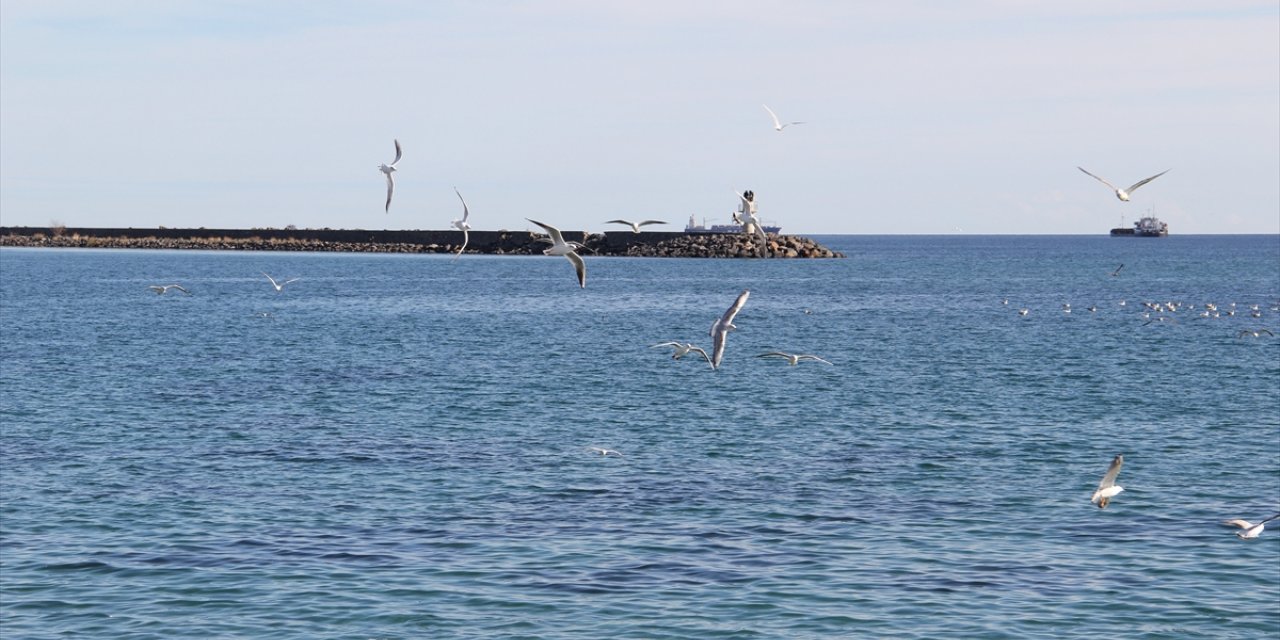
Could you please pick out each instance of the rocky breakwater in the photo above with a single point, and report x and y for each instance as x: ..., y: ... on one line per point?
x: 732, y: 245
x: 649, y: 244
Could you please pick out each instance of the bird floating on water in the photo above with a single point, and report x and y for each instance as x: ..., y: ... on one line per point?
x: 635, y: 226
x: 1123, y: 194
x: 163, y: 289
x: 1108, y: 489
x: 720, y: 328
x: 792, y: 358
x: 778, y: 125
x: 1250, y: 530
x: 279, y: 285
x: 388, y: 169
x: 462, y: 225
x: 567, y: 249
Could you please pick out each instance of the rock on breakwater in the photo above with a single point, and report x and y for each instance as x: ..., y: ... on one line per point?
x: 646, y: 244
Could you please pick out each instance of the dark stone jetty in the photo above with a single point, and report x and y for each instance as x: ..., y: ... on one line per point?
x: 616, y: 243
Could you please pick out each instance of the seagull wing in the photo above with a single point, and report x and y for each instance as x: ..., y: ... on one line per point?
x: 1146, y: 180
x: 393, y: 162
x: 579, y: 267
x: 391, y: 187
x: 179, y: 288
x: 666, y: 344
x: 465, y: 212
x: 732, y: 311
x: 809, y: 357
x: 1117, y: 271
x: 719, y: 336
x: 1266, y: 331
x: 1113, y: 187
x: 775, y: 354
x: 1109, y: 478
x: 290, y: 280
x: 626, y: 222
x: 273, y: 280
x: 694, y: 348
x: 556, y: 238
x: 776, y: 124
x: 1270, y: 519
x: 645, y: 222
x: 466, y: 237
x: 1243, y: 524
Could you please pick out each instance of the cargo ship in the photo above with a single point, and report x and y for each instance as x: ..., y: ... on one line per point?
x: 694, y: 227
x: 1147, y: 227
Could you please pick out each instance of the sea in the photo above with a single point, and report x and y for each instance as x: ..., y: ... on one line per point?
x: 400, y: 446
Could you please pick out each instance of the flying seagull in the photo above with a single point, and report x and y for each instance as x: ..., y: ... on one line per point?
x: 1117, y: 271
x: 1255, y: 333
x: 792, y: 358
x: 1250, y: 530
x: 389, y: 169
x: 462, y: 225
x: 1123, y: 194
x: 604, y: 452
x: 279, y: 285
x: 683, y: 349
x: 163, y: 289
x: 1108, y: 489
x: 721, y: 328
x: 561, y: 248
x: 635, y: 226
x: 777, y: 124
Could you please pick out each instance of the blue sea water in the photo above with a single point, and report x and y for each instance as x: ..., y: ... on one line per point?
x: 397, y: 446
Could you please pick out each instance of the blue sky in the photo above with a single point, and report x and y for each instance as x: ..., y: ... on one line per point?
x: 921, y: 116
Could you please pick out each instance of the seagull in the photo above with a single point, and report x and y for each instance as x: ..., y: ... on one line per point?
x: 389, y: 169
x: 161, y: 290
x: 604, y: 452
x: 462, y: 224
x: 721, y: 328
x: 279, y: 285
x: 1117, y: 271
x: 1107, y: 489
x: 1250, y: 530
x: 635, y: 226
x: 561, y: 248
x: 1255, y: 333
x: 1023, y: 312
x: 1123, y: 194
x: 682, y: 349
x: 777, y: 124
x: 793, y: 358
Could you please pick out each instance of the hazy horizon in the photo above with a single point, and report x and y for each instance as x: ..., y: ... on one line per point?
x: 920, y: 119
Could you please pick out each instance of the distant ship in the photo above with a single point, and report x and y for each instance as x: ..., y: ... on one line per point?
x: 1148, y: 227
x: 694, y: 227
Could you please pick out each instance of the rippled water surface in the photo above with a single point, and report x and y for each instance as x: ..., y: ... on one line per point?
x: 397, y: 446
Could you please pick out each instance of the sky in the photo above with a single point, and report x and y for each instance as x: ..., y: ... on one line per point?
x: 920, y: 116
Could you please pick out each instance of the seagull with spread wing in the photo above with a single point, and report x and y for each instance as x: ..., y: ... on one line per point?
x: 1123, y: 194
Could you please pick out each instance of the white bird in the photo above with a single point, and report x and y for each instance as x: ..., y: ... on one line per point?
x: 1257, y: 333
x: 163, y: 289
x: 462, y: 225
x: 605, y: 452
x: 720, y: 328
x: 561, y: 248
x: 1123, y: 194
x: 279, y: 285
x: 1023, y: 312
x: 792, y: 358
x: 1250, y: 530
x: 1107, y: 489
x: 388, y: 169
x: 635, y: 226
x: 777, y: 124
x: 683, y: 349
